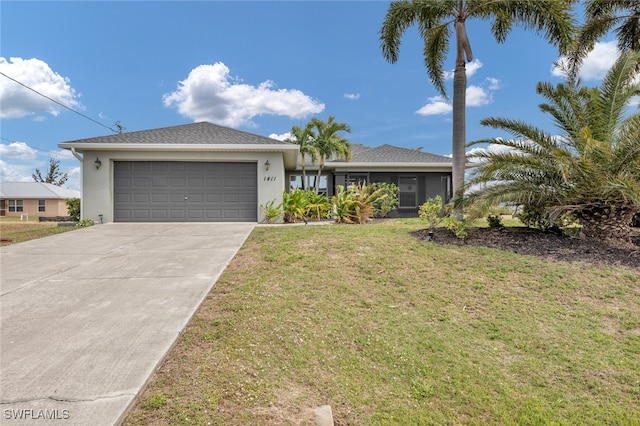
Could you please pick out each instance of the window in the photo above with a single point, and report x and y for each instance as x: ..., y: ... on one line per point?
x: 408, y: 191
x: 356, y: 179
x: 41, y: 206
x: 15, y: 206
x: 295, y: 182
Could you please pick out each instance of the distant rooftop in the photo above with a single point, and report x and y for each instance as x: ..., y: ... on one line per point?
x: 37, y: 190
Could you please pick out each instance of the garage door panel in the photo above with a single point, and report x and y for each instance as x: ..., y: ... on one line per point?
x: 156, y: 191
x: 141, y: 197
x: 159, y: 198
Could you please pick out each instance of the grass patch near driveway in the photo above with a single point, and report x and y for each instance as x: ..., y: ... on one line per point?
x: 389, y: 329
x: 19, y: 231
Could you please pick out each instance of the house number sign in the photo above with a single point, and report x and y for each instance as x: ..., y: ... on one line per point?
x: 270, y: 178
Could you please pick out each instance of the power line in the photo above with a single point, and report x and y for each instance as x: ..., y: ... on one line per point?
x: 54, y: 153
x: 62, y: 105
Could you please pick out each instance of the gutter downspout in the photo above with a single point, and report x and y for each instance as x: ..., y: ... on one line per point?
x: 80, y: 158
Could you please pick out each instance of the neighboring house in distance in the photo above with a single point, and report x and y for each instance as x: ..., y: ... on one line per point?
x: 34, y: 199
x: 203, y: 172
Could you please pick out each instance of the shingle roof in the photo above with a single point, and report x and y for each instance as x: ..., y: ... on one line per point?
x: 390, y: 154
x: 194, y: 133
x: 393, y: 154
x: 39, y: 190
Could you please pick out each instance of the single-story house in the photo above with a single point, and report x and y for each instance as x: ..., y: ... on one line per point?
x: 419, y: 175
x: 34, y: 199
x: 203, y: 172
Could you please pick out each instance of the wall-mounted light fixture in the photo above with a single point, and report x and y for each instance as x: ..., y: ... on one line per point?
x: 267, y: 164
x: 98, y: 163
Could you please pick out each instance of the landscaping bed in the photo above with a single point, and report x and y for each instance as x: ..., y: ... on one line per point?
x: 546, y: 245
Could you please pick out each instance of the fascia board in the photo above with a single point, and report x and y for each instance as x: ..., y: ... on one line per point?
x: 346, y: 167
x: 289, y: 152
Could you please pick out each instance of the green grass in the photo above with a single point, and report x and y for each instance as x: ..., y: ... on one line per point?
x: 388, y: 329
x: 20, y: 231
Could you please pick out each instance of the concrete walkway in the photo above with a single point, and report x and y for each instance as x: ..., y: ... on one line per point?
x: 87, y: 316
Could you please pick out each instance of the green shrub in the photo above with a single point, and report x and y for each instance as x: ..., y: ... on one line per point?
x: 356, y: 204
x: 270, y: 212
x: 536, y: 217
x: 460, y: 227
x: 73, y: 207
x: 317, y: 206
x: 85, y: 222
x: 293, y: 205
x: 388, y: 203
x: 431, y: 211
x: 494, y: 221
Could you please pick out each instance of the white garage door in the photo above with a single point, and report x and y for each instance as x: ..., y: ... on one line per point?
x: 173, y: 191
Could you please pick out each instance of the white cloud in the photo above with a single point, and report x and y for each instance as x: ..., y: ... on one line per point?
x: 494, y: 83
x: 477, y: 96
x: 596, y: 64
x: 437, y: 105
x: 15, y: 172
x: 18, y: 101
x: 352, y: 96
x: 470, y: 69
x: 280, y: 137
x: 19, y: 150
x: 209, y: 93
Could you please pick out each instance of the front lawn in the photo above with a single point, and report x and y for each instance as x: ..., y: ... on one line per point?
x: 389, y: 329
x: 17, y: 231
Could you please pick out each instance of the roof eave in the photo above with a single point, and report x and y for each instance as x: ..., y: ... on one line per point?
x: 289, y: 151
x: 390, y: 166
x: 81, y: 147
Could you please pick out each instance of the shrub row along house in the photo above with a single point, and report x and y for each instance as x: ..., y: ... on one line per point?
x: 34, y: 199
x: 203, y: 172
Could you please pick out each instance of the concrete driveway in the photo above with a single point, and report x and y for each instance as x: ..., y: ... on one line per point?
x: 87, y: 316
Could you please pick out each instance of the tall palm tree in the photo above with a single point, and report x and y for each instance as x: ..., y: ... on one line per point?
x: 328, y: 143
x: 304, y: 137
x: 592, y: 169
x: 435, y: 19
x: 602, y: 16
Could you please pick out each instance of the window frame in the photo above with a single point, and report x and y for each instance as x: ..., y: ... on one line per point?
x: 16, y: 206
x: 414, y: 191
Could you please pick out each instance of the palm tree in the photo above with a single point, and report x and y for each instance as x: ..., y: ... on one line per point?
x: 328, y: 143
x: 304, y: 137
x: 435, y: 18
x: 602, y: 16
x: 591, y: 170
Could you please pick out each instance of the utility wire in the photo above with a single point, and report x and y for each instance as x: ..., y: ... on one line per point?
x: 62, y: 105
x: 32, y: 147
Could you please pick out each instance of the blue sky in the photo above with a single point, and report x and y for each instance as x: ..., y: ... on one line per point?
x: 261, y: 67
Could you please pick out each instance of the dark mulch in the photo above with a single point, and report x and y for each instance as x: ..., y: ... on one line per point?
x: 546, y: 245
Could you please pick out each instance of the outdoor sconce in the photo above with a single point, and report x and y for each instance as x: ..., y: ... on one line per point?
x: 98, y: 163
x: 267, y: 164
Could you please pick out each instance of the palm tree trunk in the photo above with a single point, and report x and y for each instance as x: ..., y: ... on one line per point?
x: 320, y: 164
x: 606, y: 222
x: 459, y: 109
x: 304, y: 175
x: 459, y: 129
